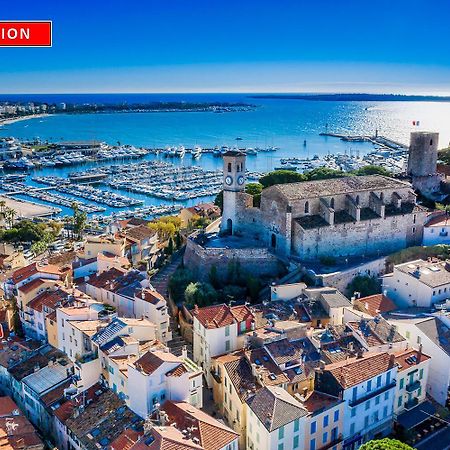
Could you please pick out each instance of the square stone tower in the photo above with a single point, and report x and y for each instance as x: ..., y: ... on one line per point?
x: 423, y: 153
x: 233, y: 186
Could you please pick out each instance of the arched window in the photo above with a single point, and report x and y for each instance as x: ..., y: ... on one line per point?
x: 357, y: 199
x: 229, y: 167
x: 332, y: 203
x: 230, y: 226
x: 431, y: 141
x: 382, y: 196
x: 306, y: 207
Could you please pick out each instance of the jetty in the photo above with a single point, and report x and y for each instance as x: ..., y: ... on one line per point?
x: 376, y: 140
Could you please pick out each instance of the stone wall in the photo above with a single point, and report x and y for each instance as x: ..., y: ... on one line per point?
x: 368, y: 237
x: 342, y: 278
x: 257, y: 261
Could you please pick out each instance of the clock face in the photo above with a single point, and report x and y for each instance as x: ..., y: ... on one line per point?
x: 228, y: 180
x: 241, y: 180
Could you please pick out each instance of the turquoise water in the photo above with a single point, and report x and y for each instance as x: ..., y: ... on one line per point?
x: 282, y: 123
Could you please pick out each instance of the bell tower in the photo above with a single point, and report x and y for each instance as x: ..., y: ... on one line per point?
x: 233, y: 185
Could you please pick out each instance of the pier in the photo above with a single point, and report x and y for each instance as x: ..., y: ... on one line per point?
x: 376, y: 140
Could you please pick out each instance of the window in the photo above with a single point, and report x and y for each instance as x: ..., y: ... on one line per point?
x: 386, y: 395
x: 379, y: 381
x: 312, y: 444
x: 313, y: 427
x: 377, y: 400
x: 336, y: 415
x: 296, y: 425
x: 402, y: 382
x: 334, y: 433
x: 227, y: 330
x: 229, y: 167
x: 355, y: 392
x: 306, y: 207
x: 353, y: 412
x: 399, y: 403
x: 281, y: 433
x: 332, y: 203
x: 227, y: 346
x: 385, y: 411
x: 366, y: 421
x: 388, y: 377
x: 369, y: 385
x: 352, y: 428
x: 280, y: 446
x: 419, y: 392
x: 325, y: 421
x: 325, y: 437
x: 367, y: 405
x: 111, y: 370
x: 420, y: 374
x: 296, y: 442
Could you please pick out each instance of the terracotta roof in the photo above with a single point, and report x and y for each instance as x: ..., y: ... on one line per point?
x: 106, y: 278
x: 377, y: 331
x: 275, y: 407
x: 354, y: 371
x: 376, y: 304
x: 438, y: 221
x: 218, y: 316
x: 7, y: 406
x: 317, y: 401
x: 270, y: 373
x: 284, y: 351
x: 152, y: 360
x: 33, y: 284
x: 409, y: 358
x: 140, y: 233
x: 165, y: 438
x: 178, y: 371
x: 50, y: 299
x: 126, y: 440
x: 212, y: 434
x: 27, y: 271
x: 150, y: 295
x: 55, y: 394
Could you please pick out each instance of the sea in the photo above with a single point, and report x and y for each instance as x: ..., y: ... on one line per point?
x: 292, y: 125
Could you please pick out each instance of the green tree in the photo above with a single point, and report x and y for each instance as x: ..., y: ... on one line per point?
x: 218, y: 201
x: 169, y: 248
x: 9, y: 214
x: 253, y: 287
x: 372, y: 170
x: 16, y: 323
x: 281, y: 177
x: 178, y: 283
x: 324, y: 173
x: 385, y: 444
x: 178, y: 240
x: 214, y: 277
x: 365, y: 285
x: 200, y: 294
x: 79, y: 220
x: 255, y: 190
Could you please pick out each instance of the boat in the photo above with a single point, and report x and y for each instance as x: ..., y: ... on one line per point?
x: 251, y: 151
x: 180, y: 151
x: 197, y: 152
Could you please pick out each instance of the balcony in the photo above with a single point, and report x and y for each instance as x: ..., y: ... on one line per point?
x: 334, y: 442
x: 411, y: 387
x: 411, y: 403
x: 372, y: 394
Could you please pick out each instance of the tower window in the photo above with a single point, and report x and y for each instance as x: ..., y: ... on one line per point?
x: 332, y: 203
x: 306, y: 207
x: 229, y: 167
x: 431, y: 141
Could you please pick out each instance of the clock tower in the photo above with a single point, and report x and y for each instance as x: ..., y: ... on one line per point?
x: 233, y: 186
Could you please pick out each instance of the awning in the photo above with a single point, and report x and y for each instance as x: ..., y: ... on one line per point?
x: 417, y: 415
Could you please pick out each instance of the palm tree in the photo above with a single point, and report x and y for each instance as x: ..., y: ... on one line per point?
x: 9, y: 214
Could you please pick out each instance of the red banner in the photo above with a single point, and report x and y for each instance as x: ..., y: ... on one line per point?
x: 26, y: 34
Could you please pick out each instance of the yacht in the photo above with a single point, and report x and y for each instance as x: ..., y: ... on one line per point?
x: 197, y: 152
x: 180, y: 151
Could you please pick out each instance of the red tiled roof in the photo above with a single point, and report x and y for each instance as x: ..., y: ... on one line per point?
x: 150, y: 295
x: 376, y: 304
x: 105, y: 278
x: 47, y: 298
x: 7, y: 406
x: 213, y: 435
x: 139, y: 233
x: 27, y: 271
x: 402, y: 357
x: 126, y: 440
x: 316, y: 401
x: 219, y: 316
x: 33, y: 284
x: 438, y: 221
x: 354, y: 371
x: 151, y: 360
x: 178, y: 371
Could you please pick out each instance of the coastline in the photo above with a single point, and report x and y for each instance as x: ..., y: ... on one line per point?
x: 18, y: 119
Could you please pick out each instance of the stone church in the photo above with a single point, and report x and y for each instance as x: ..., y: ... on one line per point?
x: 342, y: 217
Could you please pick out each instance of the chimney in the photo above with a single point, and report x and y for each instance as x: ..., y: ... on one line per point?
x: 268, y: 420
x: 419, y: 354
x: 359, y: 354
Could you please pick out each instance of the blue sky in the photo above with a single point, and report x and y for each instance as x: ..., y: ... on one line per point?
x: 233, y: 46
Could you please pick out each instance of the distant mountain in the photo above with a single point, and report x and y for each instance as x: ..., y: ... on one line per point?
x: 356, y: 97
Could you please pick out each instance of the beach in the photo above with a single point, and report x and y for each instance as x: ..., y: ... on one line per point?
x: 27, y: 209
x: 21, y: 118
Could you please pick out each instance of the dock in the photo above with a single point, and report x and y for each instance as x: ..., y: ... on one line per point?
x: 376, y: 140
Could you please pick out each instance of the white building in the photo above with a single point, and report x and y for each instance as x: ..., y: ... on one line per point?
x: 413, y: 367
x: 275, y: 420
x: 158, y: 376
x: 219, y: 329
x: 418, y: 283
x: 367, y: 384
x: 433, y: 333
x: 437, y: 230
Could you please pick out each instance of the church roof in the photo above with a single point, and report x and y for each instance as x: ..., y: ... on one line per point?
x: 336, y: 186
